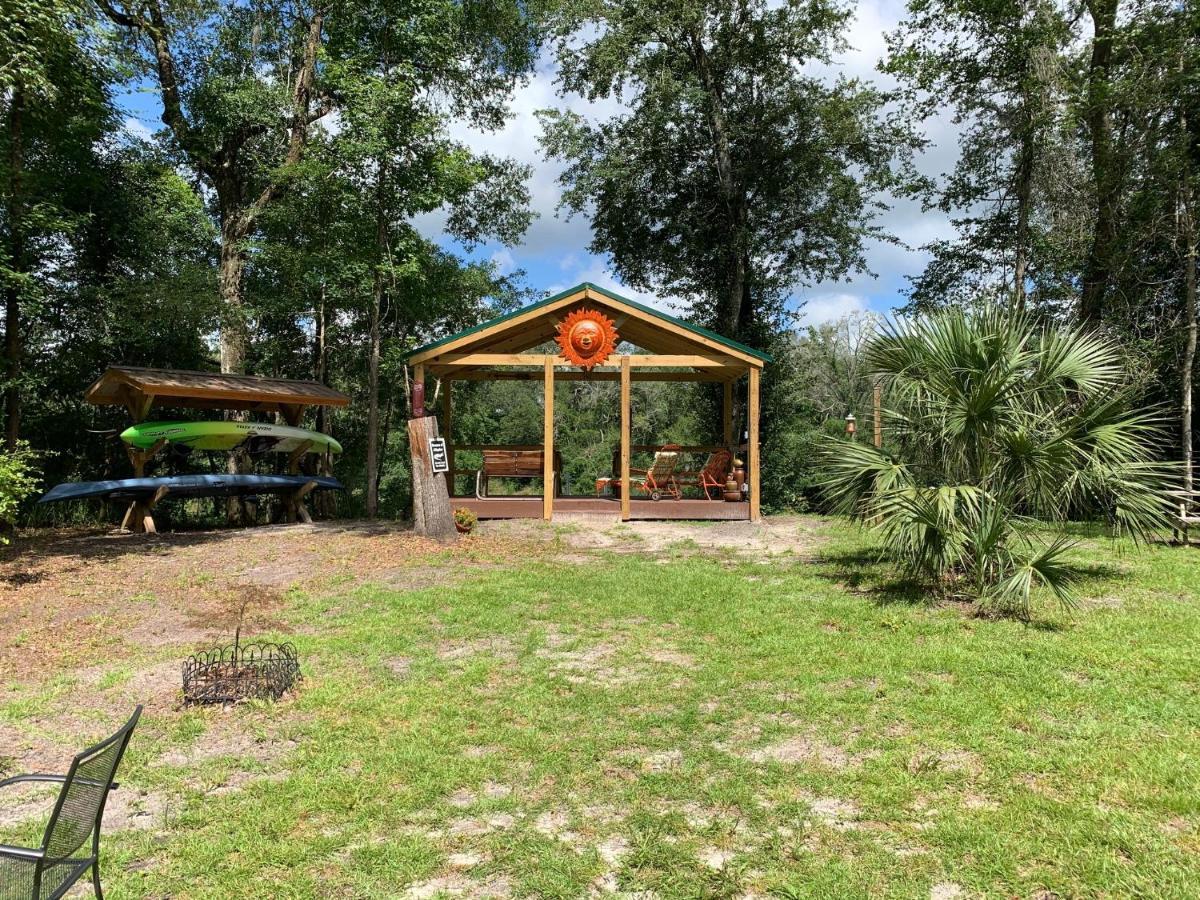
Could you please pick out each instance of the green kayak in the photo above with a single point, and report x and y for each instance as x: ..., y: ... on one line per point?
x: 256, y: 437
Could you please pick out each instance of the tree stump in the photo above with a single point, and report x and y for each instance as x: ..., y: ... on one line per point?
x: 432, y: 515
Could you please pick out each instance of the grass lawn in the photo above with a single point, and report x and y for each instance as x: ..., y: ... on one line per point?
x: 677, y: 721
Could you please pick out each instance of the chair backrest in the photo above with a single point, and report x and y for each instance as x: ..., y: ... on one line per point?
x: 80, y: 805
x: 516, y: 463
x: 717, y: 466
x: 664, y: 464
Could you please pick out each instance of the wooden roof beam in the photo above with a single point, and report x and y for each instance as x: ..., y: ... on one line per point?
x: 636, y: 360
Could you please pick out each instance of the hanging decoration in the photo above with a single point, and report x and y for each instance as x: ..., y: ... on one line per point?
x: 587, y: 337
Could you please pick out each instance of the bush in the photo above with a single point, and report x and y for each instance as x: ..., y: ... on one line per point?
x: 993, y: 425
x: 18, y: 481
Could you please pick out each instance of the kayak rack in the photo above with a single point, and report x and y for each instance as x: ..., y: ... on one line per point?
x: 139, y: 390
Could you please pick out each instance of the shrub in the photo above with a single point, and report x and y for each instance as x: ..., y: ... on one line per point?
x: 992, y: 425
x: 18, y: 480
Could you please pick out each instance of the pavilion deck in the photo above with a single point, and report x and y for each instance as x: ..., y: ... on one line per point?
x: 530, y: 507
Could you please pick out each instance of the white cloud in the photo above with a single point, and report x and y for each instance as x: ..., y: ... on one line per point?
x: 136, y: 129
x: 831, y: 307
x: 594, y: 270
x: 504, y: 262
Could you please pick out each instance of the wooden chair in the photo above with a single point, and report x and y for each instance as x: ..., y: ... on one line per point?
x: 48, y: 872
x: 712, y: 476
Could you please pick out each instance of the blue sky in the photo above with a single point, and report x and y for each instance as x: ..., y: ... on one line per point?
x: 554, y: 251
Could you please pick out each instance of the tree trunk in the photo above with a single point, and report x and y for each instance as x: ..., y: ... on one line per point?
x: 322, y: 500
x: 1188, y: 226
x: 1098, y: 267
x: 234, y: 336
x: 320, y: 358
x: 734, y: 308
x: 12, y: 293
x: 374, y: 352
x: 432, y: 515
x: 1024, y: 202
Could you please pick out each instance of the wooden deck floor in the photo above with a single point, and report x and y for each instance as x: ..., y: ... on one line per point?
x: 531, y: 508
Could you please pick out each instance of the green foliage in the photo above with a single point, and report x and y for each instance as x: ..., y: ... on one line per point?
x: 1001, y: 67
x: 18, y: 480
x: 702, y: 190
x: 994, y: 424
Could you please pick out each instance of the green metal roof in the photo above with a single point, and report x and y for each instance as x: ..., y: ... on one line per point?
x: 687, y: 326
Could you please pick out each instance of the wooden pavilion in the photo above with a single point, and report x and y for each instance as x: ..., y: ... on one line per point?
x: 673, y: 350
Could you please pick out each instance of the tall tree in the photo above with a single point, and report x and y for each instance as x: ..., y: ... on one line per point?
x: 54, y: 110
x: 405, y: 72
x: 239, y: 89
x: 1106, y: 178
x: 735, y: 173
x: 999, y: 67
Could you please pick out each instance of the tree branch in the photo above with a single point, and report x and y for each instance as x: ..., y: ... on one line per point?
x: 302, y: 112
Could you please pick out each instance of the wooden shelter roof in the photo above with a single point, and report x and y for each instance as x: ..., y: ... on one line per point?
x: 534, y: 325
x: 140, y: 388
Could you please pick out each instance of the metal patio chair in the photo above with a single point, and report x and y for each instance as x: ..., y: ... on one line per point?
x: 48, y: 872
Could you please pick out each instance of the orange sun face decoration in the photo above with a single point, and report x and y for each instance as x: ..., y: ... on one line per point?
x: 587, y: 337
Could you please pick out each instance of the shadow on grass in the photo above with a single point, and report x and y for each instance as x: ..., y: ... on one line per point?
x: 867, y: 573
x: 33, y: 555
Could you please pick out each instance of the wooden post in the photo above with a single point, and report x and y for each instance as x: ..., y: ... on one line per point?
x: 727, y: 414
x: 548, y: 441
x: 448, y: 429
x: 877, y: 408
x: 626, y: 419
x: 755, y: 480
x: 432, y: 515
x: 137, y: 515
x: 139, y: 518
x: 293, y: 504
x: 418, y: 395
x: 138, y: 459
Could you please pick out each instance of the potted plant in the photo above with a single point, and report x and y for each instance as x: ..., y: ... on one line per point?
x: 464, y: 520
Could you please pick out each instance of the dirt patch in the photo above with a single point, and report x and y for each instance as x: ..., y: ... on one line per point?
x: 456, y: 884
x: 592, y: 665
x: 668, y: 656
x: 834, y: 812
x: 126, y: 809
x: 234, y: 736
x: 947, y: 890
x: 495, y: 647
x: 21, y: 803
x: 800, y: 748
x: 69, y: 597
x: 775, y: 536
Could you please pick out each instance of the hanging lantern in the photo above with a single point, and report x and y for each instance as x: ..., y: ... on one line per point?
x: 587, y: 337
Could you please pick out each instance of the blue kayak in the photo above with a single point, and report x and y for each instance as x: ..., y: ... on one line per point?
x: 187, y: 486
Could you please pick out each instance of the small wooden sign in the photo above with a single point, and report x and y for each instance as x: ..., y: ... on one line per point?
x: 438, y: 457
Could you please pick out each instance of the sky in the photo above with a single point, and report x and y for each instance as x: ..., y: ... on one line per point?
x: 554, y: 252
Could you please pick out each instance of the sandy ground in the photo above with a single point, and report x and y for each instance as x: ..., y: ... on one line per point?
x: 88, y: 603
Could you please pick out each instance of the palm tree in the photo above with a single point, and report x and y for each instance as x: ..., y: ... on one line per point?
x: 995, y: 424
